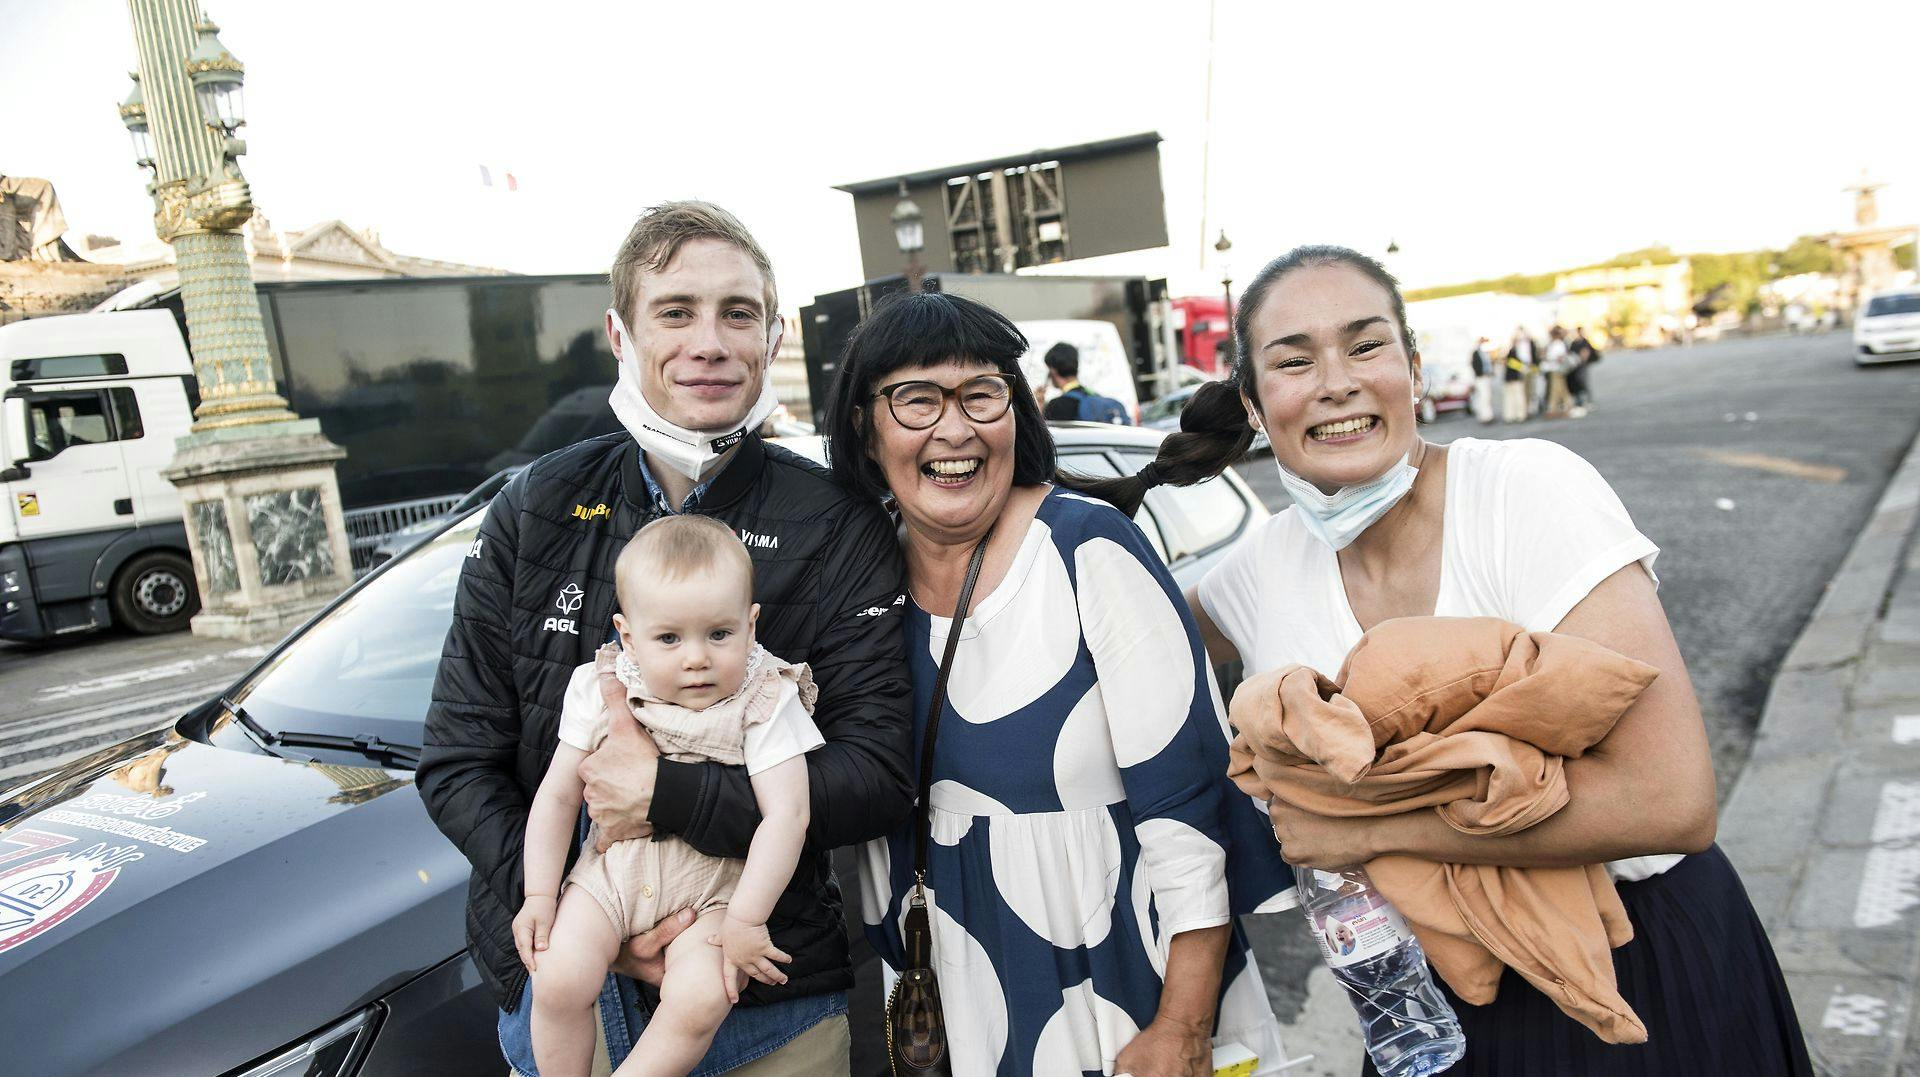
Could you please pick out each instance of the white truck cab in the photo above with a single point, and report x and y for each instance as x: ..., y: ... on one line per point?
x: 91, y: 534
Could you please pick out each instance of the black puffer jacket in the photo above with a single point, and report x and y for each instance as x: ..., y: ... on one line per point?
x: 536, y: 598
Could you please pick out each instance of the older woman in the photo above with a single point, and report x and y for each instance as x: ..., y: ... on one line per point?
x: 1385, y: 525
x: 1080, y: 821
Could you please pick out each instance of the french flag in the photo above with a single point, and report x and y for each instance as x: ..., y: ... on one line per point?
x: 486, y: 179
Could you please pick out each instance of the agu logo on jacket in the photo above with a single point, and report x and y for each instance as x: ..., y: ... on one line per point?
x: 567, y: 602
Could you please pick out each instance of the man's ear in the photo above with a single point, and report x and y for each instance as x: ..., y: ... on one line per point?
x: 1419, y: 376
x: 773, y: 340
x: 618, y: 347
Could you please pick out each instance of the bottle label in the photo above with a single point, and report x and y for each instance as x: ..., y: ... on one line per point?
x: 1358, y: 928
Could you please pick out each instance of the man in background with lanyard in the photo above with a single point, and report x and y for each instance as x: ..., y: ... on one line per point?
x: 693, y: 328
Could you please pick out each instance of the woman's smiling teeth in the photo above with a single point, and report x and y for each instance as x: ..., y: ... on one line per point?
x: 951, y: 472
x: 1343, y: 429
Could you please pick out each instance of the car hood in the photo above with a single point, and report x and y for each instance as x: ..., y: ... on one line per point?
x: 208, y: 905
x: 1884, y: 323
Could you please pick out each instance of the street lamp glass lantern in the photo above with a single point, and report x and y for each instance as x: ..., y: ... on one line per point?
x: 909, y: 226
x: 142, y: 144
x: 217, y: 78
x: 133, y: 113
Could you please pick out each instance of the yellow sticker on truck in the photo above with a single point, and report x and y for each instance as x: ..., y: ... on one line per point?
x: 29, y: 504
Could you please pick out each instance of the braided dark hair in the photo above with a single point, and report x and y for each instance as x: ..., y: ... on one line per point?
x: 1214, y: 431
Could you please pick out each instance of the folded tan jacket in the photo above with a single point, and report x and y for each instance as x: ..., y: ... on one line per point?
x: 1474, y: 718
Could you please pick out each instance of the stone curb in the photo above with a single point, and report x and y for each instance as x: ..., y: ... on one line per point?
x: 1810, y: 772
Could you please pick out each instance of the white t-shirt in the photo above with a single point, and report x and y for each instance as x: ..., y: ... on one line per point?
x: 1529, y: 530
x: 790, y: 732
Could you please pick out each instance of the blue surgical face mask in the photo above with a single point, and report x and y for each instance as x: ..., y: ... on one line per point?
x: 1338, y: 518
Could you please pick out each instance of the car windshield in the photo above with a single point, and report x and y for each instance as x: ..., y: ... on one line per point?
x: 1894, y: 304
x: 367, y: 667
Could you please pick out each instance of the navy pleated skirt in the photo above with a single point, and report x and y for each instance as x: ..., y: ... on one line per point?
x: 1699, y: 972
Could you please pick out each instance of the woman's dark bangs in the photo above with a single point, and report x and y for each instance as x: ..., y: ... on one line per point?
x: 932, y: 330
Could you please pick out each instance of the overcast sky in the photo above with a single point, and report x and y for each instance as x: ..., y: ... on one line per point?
x: 1486, y: 138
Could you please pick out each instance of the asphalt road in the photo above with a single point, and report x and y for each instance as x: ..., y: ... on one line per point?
x: 1751, y: 463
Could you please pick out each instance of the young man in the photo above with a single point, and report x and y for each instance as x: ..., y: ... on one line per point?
x: 1072, y: 400
x: 693, y: 327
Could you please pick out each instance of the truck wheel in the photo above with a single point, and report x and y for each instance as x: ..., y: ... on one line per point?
x: 154, y: 593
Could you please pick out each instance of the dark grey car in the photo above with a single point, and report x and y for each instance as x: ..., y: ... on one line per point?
x: 256, y: 889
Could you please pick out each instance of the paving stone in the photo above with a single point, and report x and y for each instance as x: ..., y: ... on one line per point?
x: 1880, y: 684
x: 1774, y: 813
x: 1806, y: 711
x: 1901, y: 626
x: 1769, y: 889
x: 1859, y: 795
x: 1828, y: 640
x: 1859, y: 888
x: 1889, y: 732
x: 1847, y: 951
x: 1855, y: 1025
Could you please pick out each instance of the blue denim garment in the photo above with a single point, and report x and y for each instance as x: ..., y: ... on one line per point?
x: 748, y: 1033
x: 660, y: 502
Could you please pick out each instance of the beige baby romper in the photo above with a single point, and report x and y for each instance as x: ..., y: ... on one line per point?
x: 639, y: 882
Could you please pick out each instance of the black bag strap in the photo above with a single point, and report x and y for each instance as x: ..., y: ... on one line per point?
x: 923, y: 822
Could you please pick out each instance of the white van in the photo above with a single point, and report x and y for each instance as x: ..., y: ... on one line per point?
x: 91, y: 534
x: 1104, y: 367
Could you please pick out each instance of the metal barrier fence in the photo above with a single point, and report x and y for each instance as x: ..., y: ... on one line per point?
x: 367, y: 527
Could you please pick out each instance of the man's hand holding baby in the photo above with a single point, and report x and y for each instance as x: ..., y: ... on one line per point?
x: 618, y: 776
x: 749, y: 951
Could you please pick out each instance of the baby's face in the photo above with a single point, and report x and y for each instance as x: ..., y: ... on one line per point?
x: 690, y: 637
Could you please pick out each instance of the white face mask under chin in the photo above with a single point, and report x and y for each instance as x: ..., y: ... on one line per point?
x: 1338, y: 518
x: 693, y: 453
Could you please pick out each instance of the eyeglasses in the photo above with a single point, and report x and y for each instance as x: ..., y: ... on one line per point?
x: 918, y: 405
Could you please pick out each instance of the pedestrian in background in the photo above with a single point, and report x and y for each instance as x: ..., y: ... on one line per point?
x: 1388, y: 526
x: 1557, y: 364
x: 1584, y: 356
x: 1513, y: 400
x: 1073, y: 401
x: 1482, y: 382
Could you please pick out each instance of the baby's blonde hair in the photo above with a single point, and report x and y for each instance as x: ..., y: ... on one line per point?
x: 675, y: 547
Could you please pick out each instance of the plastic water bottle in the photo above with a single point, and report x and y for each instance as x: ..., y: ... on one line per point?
x: 1406, y: 1022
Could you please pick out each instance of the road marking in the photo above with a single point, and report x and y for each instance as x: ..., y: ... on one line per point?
x: 1890, y: 879
x: 146, y: 674
x: 1854, y: 1015
x: 183, y: 697
x: 1778, y: 465
x: 34, y: 744
x: 1906, y: 729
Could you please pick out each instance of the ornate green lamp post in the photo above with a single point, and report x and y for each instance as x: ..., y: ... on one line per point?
x: 262, y: 505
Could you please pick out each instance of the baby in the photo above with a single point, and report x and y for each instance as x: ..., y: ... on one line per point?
x: 697, y: 682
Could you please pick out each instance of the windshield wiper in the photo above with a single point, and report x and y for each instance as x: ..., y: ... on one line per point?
x: 402, y: 755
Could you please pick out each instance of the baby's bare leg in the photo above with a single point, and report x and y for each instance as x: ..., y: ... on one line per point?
x: 567, y: 984
x: 693, y: 1002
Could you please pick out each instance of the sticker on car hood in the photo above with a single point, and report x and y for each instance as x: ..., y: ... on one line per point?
x: 42, y: 891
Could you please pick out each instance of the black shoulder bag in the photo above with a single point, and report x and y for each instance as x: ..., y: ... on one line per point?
x: 916, y: 1028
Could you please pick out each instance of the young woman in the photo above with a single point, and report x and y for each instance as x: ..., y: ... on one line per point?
x: 1385, y: 525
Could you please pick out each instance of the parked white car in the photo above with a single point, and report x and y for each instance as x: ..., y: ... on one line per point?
x: 1887, y: 329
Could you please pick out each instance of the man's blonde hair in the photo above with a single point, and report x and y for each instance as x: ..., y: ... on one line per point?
x: 656, y: 237
x: 676, y: 547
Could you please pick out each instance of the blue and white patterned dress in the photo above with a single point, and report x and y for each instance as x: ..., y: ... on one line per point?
x: 1081, y: 815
